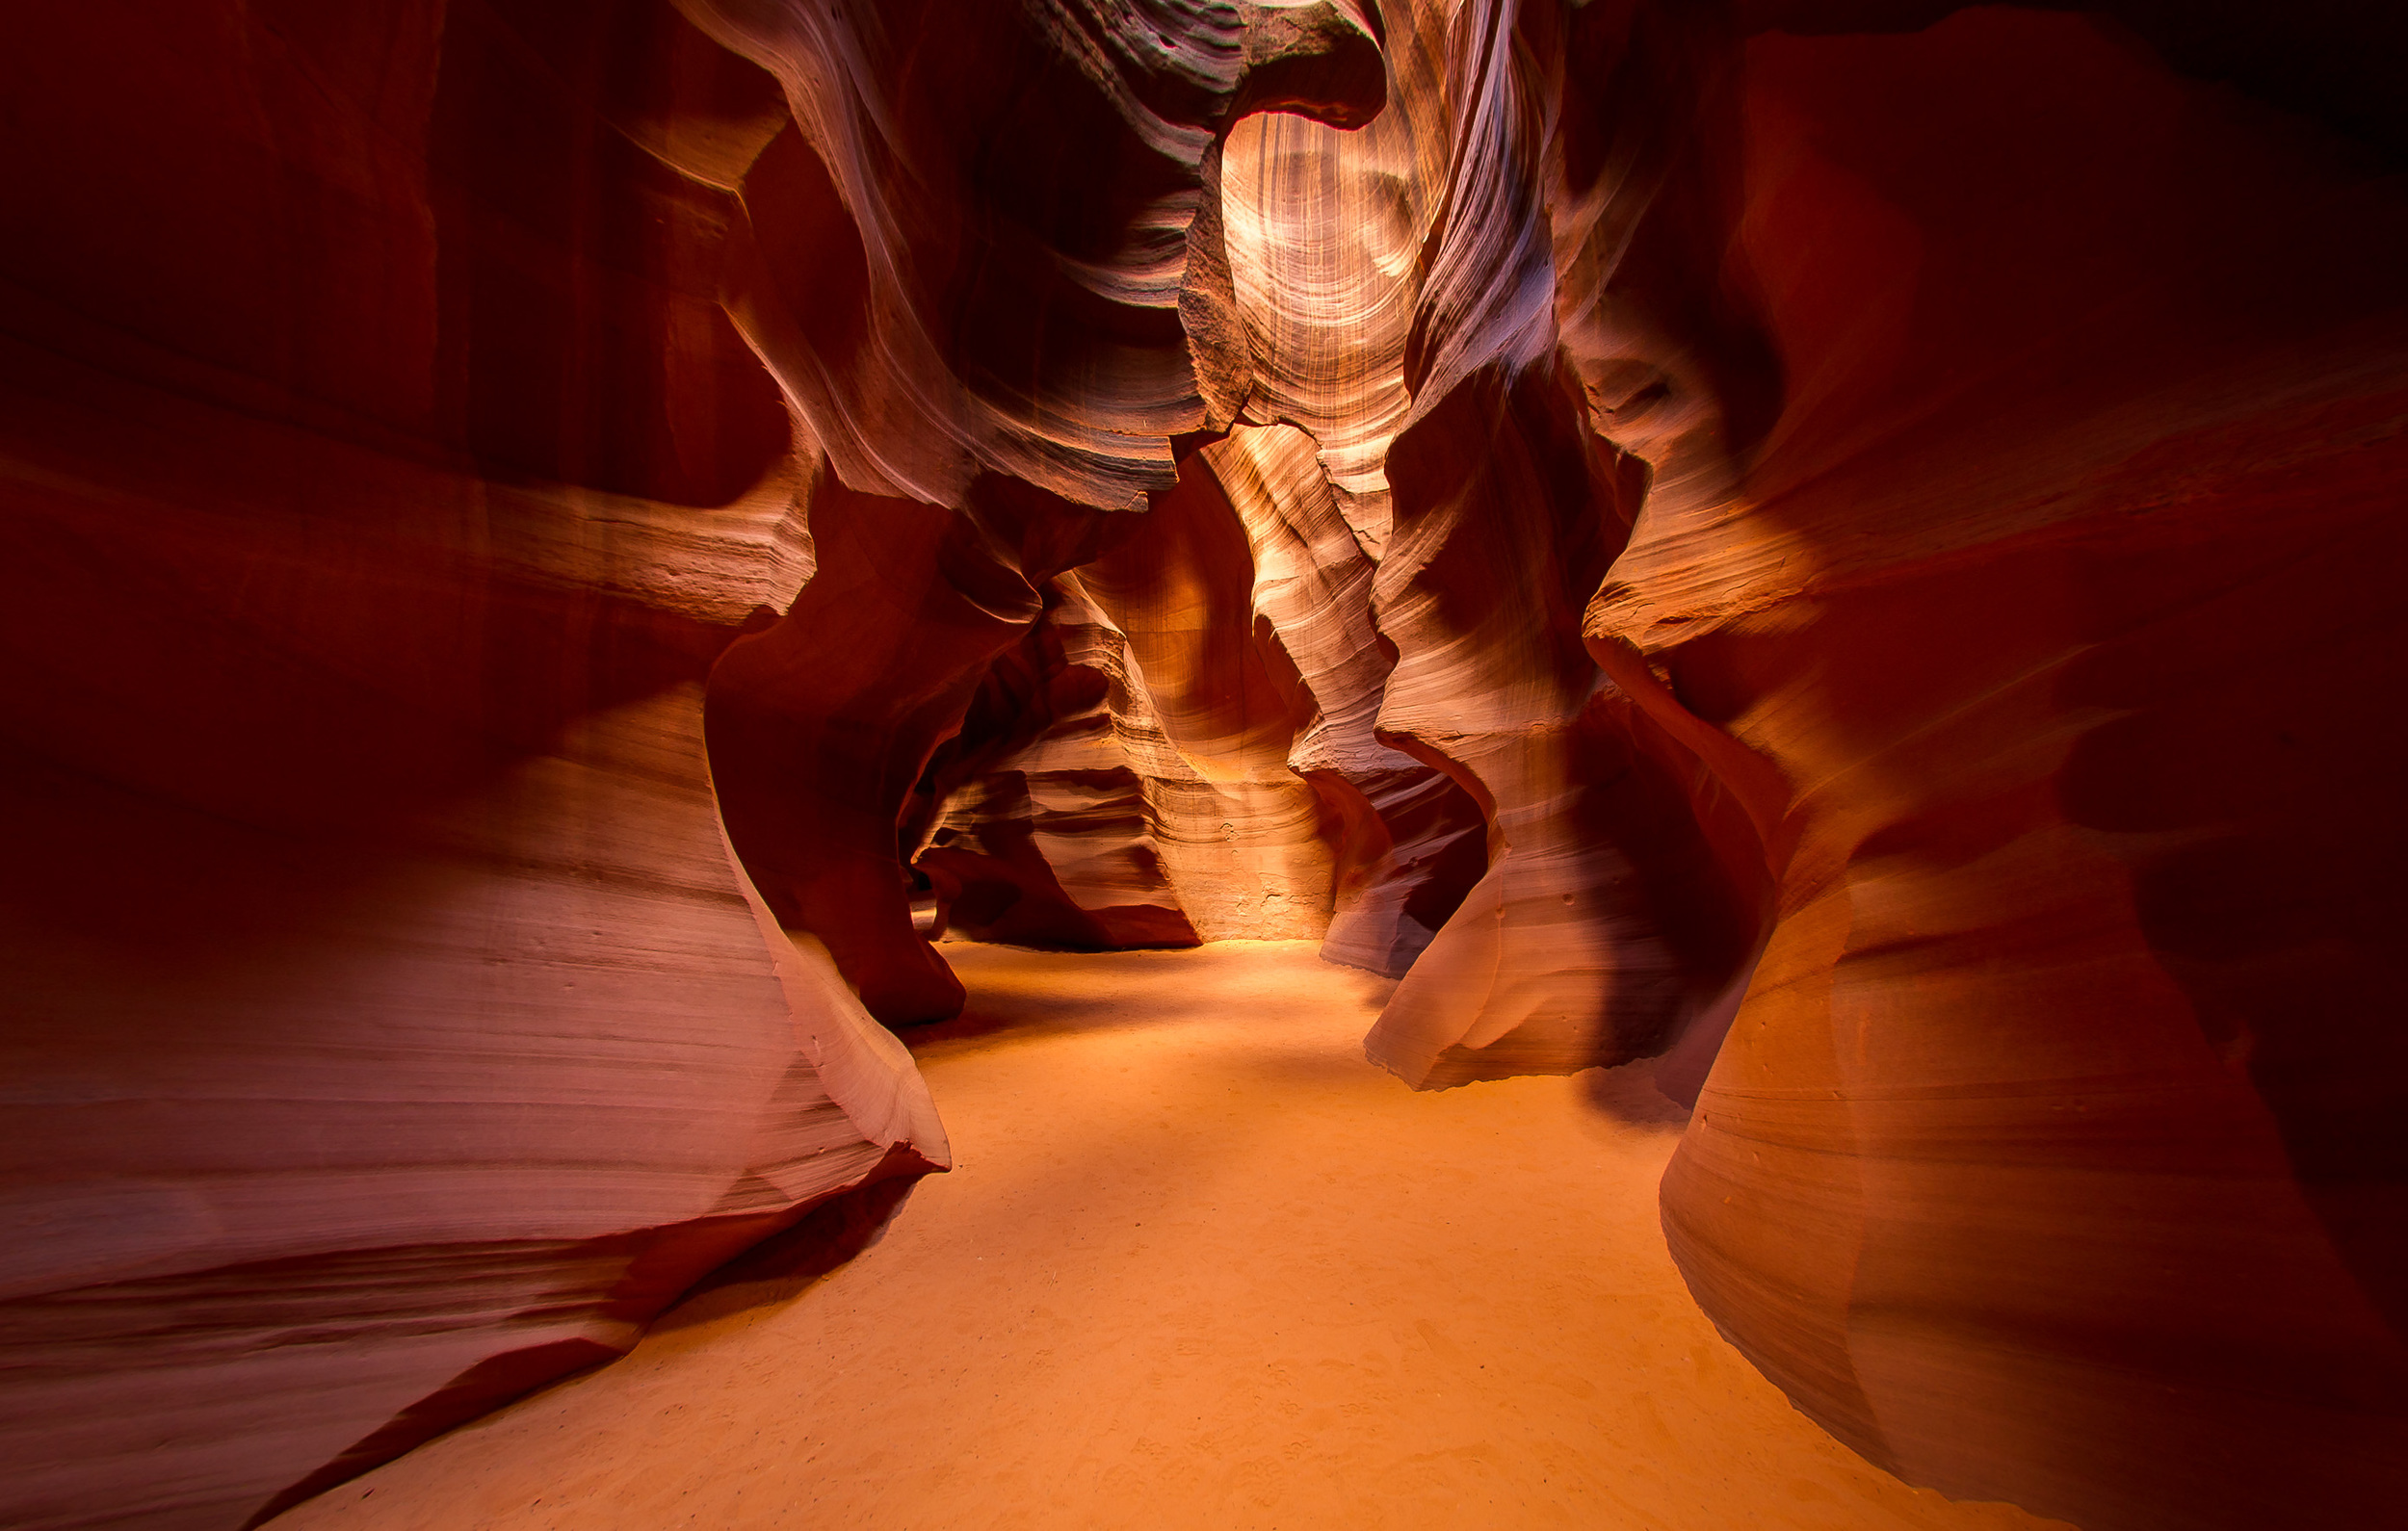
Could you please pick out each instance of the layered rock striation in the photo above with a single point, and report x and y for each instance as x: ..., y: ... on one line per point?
x: 2052, y: 1155
x: 1848, y: 551
x: 991, y: 343
x: 389, y: 1029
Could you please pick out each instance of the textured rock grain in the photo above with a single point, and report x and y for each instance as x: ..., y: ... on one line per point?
x: 2054, y: 1152
x: 1848, y: 552
x: 389, y: 1029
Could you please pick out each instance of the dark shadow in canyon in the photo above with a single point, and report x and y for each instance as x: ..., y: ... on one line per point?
x: 785, y: 1265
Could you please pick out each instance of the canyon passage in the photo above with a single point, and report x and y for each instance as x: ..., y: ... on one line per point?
x: 1203, y: 761
x: 1247, y: 1281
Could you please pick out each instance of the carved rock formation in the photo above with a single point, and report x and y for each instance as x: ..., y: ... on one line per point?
x: 992, y: 351
x: 2055, y: 1152
x: 390, y: 1029
x: 1849, y: 549
x: 1164, y: 730
x: 1409, y: 842
x: 1601, y: 928
x: 1949, y: 441
x: 1043, y: 834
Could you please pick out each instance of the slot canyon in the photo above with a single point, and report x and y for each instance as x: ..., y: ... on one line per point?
x: 1204, y: 763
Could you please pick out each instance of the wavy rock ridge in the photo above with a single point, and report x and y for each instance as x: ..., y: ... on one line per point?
x: 1845, y: 550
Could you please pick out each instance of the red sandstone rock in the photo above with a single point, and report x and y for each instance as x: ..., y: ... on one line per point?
x: 1598, y: 933
x: 938, y: 276
x: 1917, y: 505
x: 1243, y: 834
x: 2053, y: 1154
x: 1200, y: 758
x: 1409, y: 842
x: 390, y: 1029
x: 987, y: 340
x: 1964, y: 447
x: 1041, y: 832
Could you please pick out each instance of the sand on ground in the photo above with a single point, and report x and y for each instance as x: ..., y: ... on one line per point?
x: 1200, y: 1266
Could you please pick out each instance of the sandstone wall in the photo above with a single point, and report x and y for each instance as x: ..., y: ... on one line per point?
x: 389, y: 1028
x: 1848, y: 550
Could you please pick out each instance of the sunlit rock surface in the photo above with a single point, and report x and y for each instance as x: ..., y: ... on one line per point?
x: 1408, y: 843
x: 1044, y: 832
x: 1845, y: 554
x: 984, y: 322
x: 965, y: 254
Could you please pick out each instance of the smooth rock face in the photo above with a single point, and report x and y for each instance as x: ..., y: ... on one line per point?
x: 989, y: 339
x: 390, y: 462
x: 1183, y: 745
x: 1409, y: 842
x: 1242, y: 833
x: 1043, y: 832
x: 551, y: 548
x: 968, y: 253
x: 2056, y: 1151
x: 389, y: 1029
x: 1603, y: 928
x: 2054, y: 1155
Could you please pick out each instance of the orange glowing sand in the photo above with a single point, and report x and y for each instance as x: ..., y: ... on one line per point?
x: 1200, y: 1266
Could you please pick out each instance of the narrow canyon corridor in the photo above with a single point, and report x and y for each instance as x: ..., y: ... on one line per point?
x: 936, y: 764
x: 1197, y: 1264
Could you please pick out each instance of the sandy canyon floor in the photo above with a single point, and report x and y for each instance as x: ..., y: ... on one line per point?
x: 1200, y: 1266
